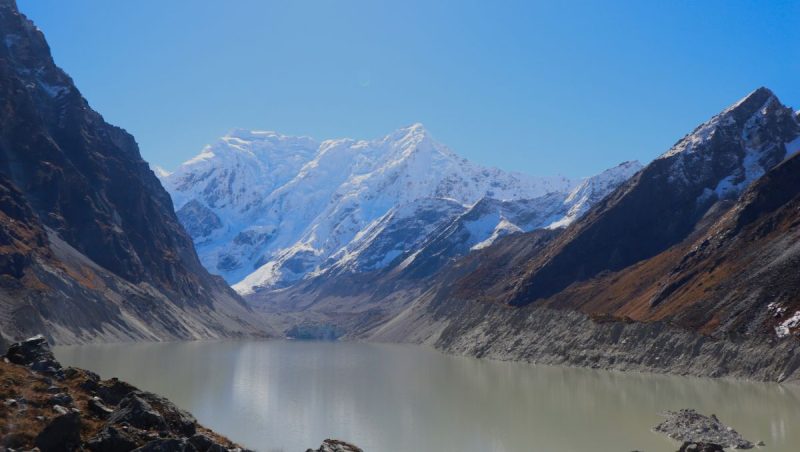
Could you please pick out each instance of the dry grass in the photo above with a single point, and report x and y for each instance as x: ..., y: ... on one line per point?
x: 19, y: 425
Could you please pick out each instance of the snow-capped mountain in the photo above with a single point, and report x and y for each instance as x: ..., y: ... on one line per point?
x: 481, y: 224
x: 665, y: 202
x: 266, y: 210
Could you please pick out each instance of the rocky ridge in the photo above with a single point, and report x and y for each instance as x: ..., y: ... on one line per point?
x: 91, y: 246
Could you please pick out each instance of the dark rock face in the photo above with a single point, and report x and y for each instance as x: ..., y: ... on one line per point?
x: 113, y: 390
x: 135, y: 411
x: 111, y: 439
x: 661, y: 205
x: 167, y: 445
x: 198, y: 220
x: 335, y: 445
x: 62, y: 434
x: 85, y: 222
x: 98, y: 408
x: 36, y: 354
x: 700, y: 447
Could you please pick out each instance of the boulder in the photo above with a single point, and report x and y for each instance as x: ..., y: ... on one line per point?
x: 113, y: 391
x: 701, y: 447
x: 112, y: 439
x: 35, y: 353
x: 179, y: 422
x: 62, y: 434
x: 167, y: 445
x: 98, y: 408
x: 203, y: 443
x: 335, y: 445
x: 137, y: 412
x: 149, y: 411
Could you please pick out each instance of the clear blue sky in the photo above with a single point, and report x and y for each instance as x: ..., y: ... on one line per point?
x: 544, y: 87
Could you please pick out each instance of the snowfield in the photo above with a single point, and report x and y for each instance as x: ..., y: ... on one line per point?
x: 266, y: 210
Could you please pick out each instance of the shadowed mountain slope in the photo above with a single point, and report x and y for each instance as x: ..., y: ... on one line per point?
x: 93, y: 248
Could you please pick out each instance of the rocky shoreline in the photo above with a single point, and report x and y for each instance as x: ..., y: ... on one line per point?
x: 55, y: 409
x: 48, y: 408
x: 692, y: 427
x: 570, y: 338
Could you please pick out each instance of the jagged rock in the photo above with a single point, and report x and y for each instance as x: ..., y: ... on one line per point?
x: 335, y: 445
x: 62, y: 434
x: 167, y: 445
x: 690, y: 427
x: 112, y: 439
x: 113, y: 390
x: 91, y: 381
x: 179, y: 422
x: 35, y: 353
x: 137, y: 412
x: 149, y: 411
x: 98, y: 408
x: 201, y: 442
x: 700, y: 447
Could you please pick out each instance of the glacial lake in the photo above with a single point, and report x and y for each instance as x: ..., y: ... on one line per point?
x: 289, y: 396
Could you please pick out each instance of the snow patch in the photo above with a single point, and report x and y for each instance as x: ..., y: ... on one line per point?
x: 792, y: 147
x: 784, y: 329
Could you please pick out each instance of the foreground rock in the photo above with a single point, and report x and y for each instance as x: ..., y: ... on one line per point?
x: 65, y: 410
x: 334, y: 445
x: 700, y: 447
x: 700, y: 433
x: 35, y: 353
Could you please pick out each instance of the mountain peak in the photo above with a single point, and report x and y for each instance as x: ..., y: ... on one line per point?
x: 749, y: 104
x: 160, y: 172
x: 759, y: 102
x: 416, y: 131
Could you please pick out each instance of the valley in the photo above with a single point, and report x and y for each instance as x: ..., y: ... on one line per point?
x: 293, y: 291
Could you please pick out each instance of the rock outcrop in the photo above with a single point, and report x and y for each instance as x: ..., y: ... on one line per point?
x: 91, y: 414
x: 334, y: 445
x: 700, y: 432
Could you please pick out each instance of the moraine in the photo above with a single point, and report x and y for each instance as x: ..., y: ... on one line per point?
x: 400, y: 398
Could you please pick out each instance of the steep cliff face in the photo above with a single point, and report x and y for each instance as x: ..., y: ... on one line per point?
x: 662, y: 205
x: 89, y: 213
